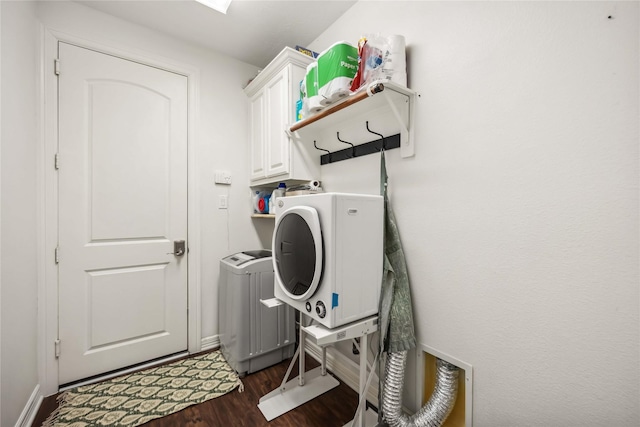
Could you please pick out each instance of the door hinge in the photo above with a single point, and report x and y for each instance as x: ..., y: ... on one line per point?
x: 57, y: 255
x: 56, y: 66
x: 56, y: 161
x: 56, y: 345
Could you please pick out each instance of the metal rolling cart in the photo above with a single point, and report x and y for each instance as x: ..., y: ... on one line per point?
x: 309, y: 385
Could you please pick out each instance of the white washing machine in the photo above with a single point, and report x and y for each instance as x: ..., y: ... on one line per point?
x: 327, y: 255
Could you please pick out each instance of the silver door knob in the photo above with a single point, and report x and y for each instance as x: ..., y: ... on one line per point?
x: 179, y: 248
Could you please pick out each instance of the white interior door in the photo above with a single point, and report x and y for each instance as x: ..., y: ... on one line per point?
x: 122, y: 204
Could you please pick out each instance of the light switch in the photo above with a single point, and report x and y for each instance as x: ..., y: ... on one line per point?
x: 222, y: 202
x: 223, y: 177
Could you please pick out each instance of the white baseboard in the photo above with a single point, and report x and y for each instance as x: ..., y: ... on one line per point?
x: 31, y: 408
x: 345, y: 369
x: 210, y: 343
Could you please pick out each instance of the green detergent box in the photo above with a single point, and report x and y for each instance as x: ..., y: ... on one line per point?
x: 337, y: 66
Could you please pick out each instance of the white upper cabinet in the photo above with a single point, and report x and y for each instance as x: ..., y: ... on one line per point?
x: 272, y: 109
x: 278, y: 114
x: 256, y: 135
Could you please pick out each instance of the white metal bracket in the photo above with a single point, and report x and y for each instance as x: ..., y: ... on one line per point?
x: 405, y: 121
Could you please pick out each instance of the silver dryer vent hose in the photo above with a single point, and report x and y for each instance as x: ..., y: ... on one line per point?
x: 435, y: 411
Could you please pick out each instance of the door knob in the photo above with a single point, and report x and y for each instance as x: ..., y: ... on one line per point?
x: 179, y: 248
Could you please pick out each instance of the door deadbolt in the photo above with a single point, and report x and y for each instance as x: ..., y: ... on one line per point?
x: 179, y: 248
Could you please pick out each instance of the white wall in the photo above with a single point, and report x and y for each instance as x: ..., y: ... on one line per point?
x: 19, y: 369
x: 221, y: 134
x: 519, y: 211
x: 0, y: 213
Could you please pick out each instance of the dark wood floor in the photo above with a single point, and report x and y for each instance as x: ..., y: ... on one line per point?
x: 334, y: 408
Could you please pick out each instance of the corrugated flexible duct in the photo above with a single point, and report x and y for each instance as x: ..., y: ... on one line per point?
x: 435, y: 411
x: 398, y: 334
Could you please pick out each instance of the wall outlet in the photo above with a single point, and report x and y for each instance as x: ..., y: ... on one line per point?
x: 223, y: 177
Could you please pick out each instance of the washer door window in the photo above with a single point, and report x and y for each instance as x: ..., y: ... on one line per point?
x: 297, y: 251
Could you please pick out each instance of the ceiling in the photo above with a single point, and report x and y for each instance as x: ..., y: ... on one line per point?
x: 252, y: 31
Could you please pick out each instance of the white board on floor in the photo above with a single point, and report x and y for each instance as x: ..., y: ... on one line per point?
x: 291, y: 395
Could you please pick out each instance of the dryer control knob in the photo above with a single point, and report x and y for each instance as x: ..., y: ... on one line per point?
x: 308, y: 307
x: 321, y: 310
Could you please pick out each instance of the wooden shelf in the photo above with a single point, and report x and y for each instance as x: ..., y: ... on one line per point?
x: 385, y: 105
x: 351, y: 100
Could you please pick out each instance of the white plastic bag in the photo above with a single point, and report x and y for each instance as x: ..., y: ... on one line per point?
x: 381, y: 58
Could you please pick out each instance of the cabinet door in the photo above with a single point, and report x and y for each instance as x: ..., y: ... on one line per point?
x: 278, y: 110
x: 257, y: 135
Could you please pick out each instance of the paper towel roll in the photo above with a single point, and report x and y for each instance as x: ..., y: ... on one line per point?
x: 395, y: 66
x: 311, y: 85
x: 396, y: 44
x: 337, y: 67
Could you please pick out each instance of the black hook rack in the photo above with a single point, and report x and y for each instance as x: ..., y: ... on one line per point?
x: 353, y: 148
x: 322, y: 149
x: 375, y: 146
x: 376, y: 133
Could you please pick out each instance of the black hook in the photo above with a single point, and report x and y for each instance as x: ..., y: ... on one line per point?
x: 353, y: 149
x: 322, y: 149
x: 376, y: 133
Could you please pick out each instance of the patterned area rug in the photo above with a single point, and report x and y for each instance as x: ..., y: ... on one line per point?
x: 142, y: 396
